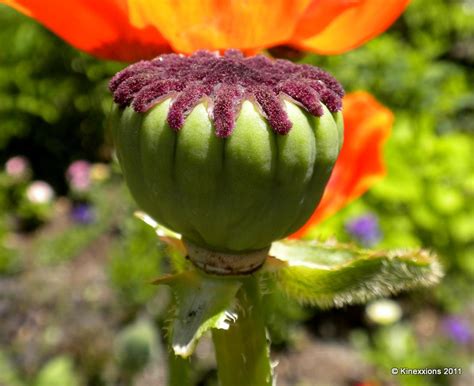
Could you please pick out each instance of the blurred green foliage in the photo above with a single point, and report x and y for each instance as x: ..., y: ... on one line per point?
x: 58, y: 247
x: 58, y: 372
x: 135, y: 347
x: 136, y: 261
x: 8, y: 373
x: 9, y: 261
x: 53, y: 99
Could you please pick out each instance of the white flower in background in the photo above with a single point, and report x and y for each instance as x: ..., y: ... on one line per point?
x: 40, y: 192
x: 384, y: 311
x: 18, y: 167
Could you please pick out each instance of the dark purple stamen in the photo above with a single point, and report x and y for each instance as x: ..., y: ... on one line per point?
x: 184, y: 103
x: 127, y: 73
x: 126, y: 91
x: 226, y: 106
x: 225, y: 81
x: 300, y: 92
x: 272, y: 108
x: 153, y: 93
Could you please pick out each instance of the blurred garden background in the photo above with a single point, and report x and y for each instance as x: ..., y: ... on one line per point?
x: 76, y: 306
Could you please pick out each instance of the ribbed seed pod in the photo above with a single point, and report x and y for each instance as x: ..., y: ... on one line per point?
x: 231, y: 152
x: 231, y: 194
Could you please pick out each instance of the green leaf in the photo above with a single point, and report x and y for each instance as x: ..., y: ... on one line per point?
x: 332, y: 274
x: 202, y: 302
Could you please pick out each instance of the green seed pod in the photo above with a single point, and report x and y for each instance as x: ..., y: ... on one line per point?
x: 236, y: 192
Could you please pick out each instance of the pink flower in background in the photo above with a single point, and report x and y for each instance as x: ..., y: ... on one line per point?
x: 40, y: 192
x: 78, y: 175
x: 18, y: 167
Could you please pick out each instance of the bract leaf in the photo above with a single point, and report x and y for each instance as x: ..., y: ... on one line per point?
x: 160, y: 229
x: 176, y: 249
x: 202, y: 302
x: 166, y: 235
x: 331, y: 274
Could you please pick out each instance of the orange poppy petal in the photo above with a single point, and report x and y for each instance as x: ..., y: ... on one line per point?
x: 218, y: 24
x: 335, y: 26
x: 318, y: 15
x: 367, y: 125
x: 101, y: 28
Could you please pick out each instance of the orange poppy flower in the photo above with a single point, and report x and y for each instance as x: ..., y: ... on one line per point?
x: 367, y: 125
x: 140, y: 29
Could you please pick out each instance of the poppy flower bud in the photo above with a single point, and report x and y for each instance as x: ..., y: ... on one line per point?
x: 231, y: 152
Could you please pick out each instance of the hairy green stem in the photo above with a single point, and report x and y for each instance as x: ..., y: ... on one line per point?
x: 179, y: 371
x: 242, y: 351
